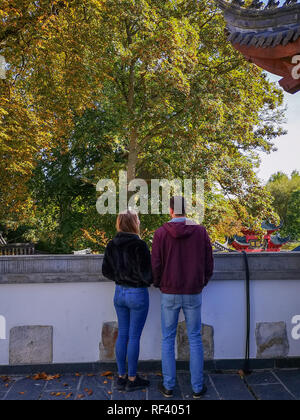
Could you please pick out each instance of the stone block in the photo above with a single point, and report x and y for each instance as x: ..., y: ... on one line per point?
x: 29, y: 345
x: 272, y: 340
x: 108, y: 343
x: 183, y: 347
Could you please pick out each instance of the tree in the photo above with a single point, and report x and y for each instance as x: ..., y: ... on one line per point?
x: 22, y: 134
x: 175, y: 80
x: 278, y: 176
x: 180, y: 100
x: 61, y: 189
x: 293, y: 215
x: 48, y: 83
x: 285, y: 195
x: 186, y: 104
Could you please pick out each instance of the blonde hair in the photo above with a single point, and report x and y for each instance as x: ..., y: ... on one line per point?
x: 128, y: 222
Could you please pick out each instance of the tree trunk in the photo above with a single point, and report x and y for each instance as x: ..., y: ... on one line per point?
x: 133, y: 155
x: 133, y: 137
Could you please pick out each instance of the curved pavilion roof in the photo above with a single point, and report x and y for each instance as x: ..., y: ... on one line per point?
x: 270, y: 226
x: 262, y: 28
x: 279, y: 241
x: 267, y: 36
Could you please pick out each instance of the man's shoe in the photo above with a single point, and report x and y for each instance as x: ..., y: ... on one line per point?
x: 121, y: 383
x: 199, y: 395
x: 167, y: 393
x: 137, y: 384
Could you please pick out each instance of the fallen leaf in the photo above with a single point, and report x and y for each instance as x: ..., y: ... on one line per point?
x: 88, y: 391
x: 90, y: 375
x: 80, y: 396
x: 39, y: 376
x: 22, y: 393
x: 78, y: 375
x: 105, y: 382
x: 43, y: 376
x: 69, y: 396
x: 51, y: 378
x: 107, y: 373
x: 109, y: 392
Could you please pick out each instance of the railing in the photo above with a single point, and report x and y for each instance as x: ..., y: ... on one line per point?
x: 17, y: 249
x: 222, y: 248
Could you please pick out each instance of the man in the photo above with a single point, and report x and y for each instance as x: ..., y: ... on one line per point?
x: 182, y: 264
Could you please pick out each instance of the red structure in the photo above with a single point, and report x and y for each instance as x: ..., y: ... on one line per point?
x: 251, y: 243
x: 268, y: 36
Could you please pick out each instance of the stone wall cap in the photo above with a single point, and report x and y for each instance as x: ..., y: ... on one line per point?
x: 45, y: 269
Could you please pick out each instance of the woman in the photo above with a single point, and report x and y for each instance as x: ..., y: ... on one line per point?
x: 127, y: 261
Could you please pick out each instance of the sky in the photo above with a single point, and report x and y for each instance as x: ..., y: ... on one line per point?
x: 287, y: 158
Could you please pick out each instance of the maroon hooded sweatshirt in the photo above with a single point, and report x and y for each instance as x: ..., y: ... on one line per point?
x: 182, y: 258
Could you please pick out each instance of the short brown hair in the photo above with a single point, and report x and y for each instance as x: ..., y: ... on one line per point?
x: 178, y: 204
x: 128, y: 222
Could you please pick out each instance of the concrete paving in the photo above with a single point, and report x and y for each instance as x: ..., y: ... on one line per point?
x: 260, y: 385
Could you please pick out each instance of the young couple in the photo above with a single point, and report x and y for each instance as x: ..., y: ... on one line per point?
x: 182, y: 265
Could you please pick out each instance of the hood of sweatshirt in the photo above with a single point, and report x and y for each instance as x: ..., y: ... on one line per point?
x: 180, y: 230
x: 123, y: 238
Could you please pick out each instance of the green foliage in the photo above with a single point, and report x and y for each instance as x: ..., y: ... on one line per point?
x: 285, y: 192
x: 151, y: 86
x: 293, y: 215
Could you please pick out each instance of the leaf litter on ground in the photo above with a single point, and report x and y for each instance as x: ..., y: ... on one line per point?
x: 43, y: 376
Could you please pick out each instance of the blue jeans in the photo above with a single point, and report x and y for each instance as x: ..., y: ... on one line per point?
x: 171, y: 306
x: 132, y: 306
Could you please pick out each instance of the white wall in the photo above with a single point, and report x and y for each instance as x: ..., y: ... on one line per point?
x: 225, y: 308
x: 78, y: 310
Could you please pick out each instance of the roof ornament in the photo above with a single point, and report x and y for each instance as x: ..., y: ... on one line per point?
x: 273, y: 4
x: 290, y: 2
x: 256, y: 4
x: 238, y: 2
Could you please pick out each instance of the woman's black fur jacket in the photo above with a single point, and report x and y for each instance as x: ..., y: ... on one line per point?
x: 127, y: 261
